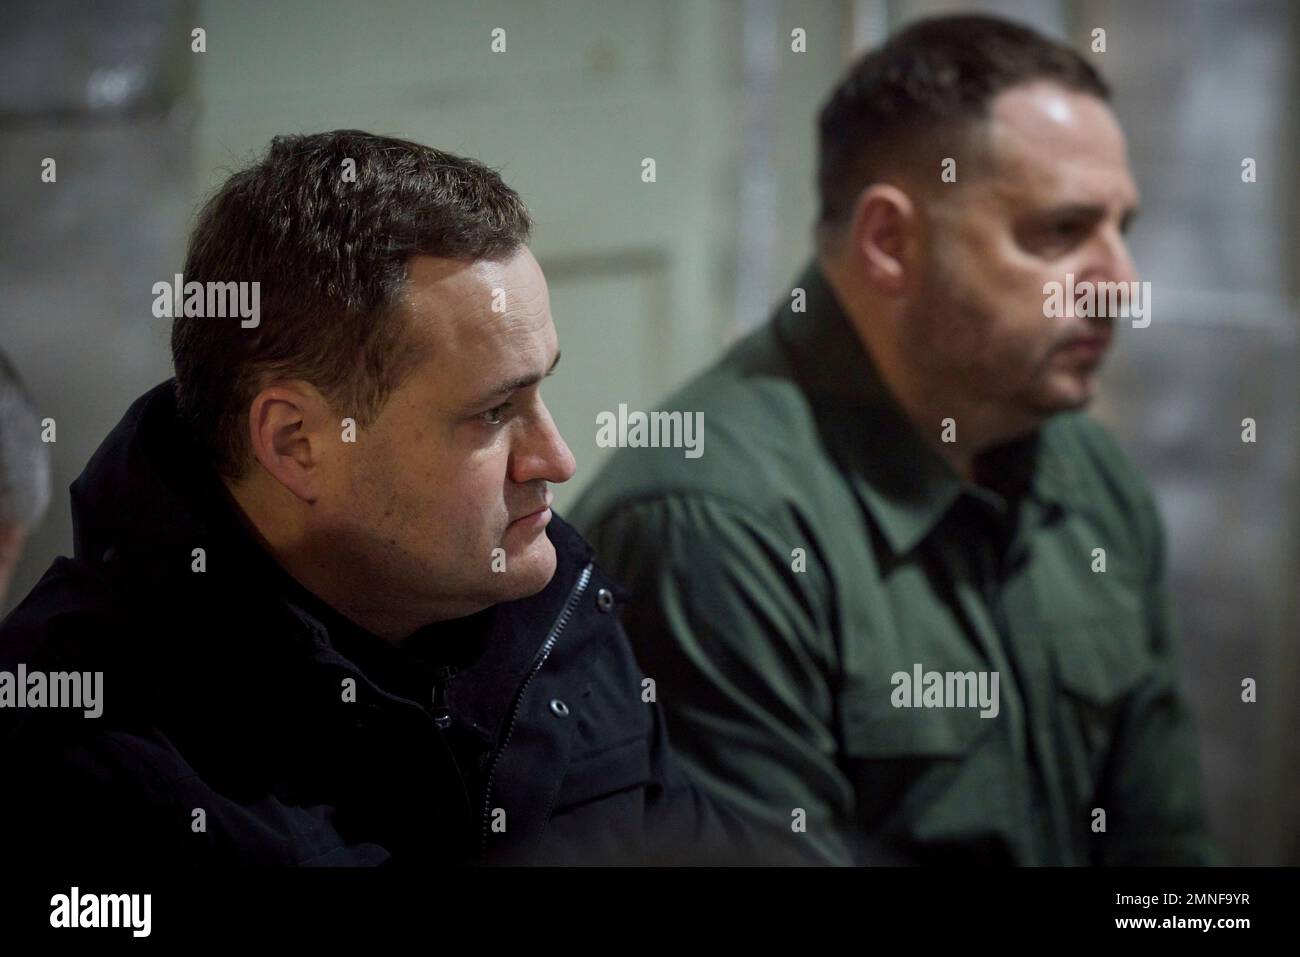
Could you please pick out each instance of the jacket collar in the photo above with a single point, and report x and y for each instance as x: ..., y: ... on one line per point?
x: 905, y: 486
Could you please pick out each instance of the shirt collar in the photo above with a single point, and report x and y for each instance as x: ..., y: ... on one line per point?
x: 905, y: 485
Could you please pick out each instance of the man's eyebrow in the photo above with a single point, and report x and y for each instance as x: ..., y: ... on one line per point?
x: 1089, y: 211
x: 1075, y: 211
x: 519, y: 382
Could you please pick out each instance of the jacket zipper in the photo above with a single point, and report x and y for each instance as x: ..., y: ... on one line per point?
x: 578, y: 588
x: 441, y: 713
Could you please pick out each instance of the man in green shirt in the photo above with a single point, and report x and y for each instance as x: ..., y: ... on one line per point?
x: 909, y: 605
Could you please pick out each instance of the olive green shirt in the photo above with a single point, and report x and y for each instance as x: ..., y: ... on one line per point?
x: 792, y: 583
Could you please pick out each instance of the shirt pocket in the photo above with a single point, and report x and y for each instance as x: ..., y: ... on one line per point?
x: 923, y: 777
x: 874, y: 728
x: 1099, y: 664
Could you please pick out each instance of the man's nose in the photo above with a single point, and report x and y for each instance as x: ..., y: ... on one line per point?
x: 1112, y: 261
x: 543, y: 454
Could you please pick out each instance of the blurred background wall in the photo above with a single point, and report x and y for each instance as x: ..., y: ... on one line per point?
x: 650, y: 281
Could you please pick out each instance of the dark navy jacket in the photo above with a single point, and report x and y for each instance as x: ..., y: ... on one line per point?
x: 225, y: 735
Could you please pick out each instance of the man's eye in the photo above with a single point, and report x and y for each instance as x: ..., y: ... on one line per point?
x: 495, y: 415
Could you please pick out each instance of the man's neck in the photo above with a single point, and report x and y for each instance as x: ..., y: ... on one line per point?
x: 955, y: 429
x: 975, y: 426
x: 311, y: 564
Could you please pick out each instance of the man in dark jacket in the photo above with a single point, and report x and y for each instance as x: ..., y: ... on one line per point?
x: 319, y: 611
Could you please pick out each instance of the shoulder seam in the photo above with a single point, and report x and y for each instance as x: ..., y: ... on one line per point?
x: 663, y: 496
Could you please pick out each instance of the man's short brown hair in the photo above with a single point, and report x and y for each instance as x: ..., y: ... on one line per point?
x: 329, y: 242
x: 938, y: 77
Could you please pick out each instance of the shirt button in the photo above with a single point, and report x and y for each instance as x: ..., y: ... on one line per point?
x: 605, y: 600
x: 559, y: 708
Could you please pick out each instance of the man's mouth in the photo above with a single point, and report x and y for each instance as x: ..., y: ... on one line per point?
x: 540, y: 515
x: 1092, y: 344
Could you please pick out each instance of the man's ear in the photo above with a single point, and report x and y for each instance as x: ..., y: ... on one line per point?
x: 288, y: 427
x: 884, y: 241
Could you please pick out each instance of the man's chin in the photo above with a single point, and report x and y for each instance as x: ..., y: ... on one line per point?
x: 529, y: 572
x: 1067, y: 389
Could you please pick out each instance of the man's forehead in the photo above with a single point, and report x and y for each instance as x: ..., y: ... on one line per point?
x: 1053, y: 145
x: 451, y: 287
x: 482, y: 324
x: 452, y: 301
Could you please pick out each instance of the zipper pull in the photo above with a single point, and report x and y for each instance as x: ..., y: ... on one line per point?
x: 441, y: 713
